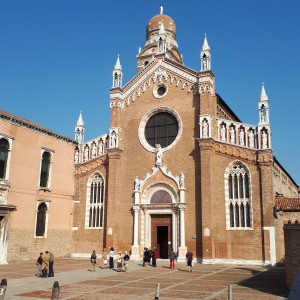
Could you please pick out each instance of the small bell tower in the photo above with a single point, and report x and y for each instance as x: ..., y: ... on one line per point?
x: 117, y: 74
x: 205, y: 56
x: 79, y: 130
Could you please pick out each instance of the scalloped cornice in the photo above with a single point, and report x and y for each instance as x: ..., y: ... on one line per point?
x: 157, y: 71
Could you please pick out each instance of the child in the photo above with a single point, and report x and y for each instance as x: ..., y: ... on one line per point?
x: 39, y: 265
x: 93, y: 260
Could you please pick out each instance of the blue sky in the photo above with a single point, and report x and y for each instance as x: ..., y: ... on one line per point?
x: 57, y: 57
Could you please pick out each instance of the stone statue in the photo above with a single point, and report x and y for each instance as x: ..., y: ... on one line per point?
x: 181, y: 180
x: 76, y: 159
x: 264, y: 140
x: 94, y: 150
x: 223, y: 133
x: 113, y: 140
x: 205, y: 129
x: 136, y: 183
x: 159, y: 155
x: 251, y: 139
x: 101, y: 147
x: 86, y: 153
x: 161, y: 10
x: 242, y: 137
x: 232, y: 135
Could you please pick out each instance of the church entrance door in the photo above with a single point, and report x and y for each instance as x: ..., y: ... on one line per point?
x: 161, y: 234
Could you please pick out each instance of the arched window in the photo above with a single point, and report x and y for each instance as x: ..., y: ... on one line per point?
x: 41, y: 220
x: 4, y: 147
x: 238, y: 197
x: 95, y: 199
x: 45, y: 170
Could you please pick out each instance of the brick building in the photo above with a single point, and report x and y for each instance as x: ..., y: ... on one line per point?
x: 177, y: 169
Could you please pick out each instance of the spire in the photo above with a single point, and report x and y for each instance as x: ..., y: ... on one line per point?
x: 205, y: 56
x: 263, y: 106
x: 79, y: 130
x: 263, y: 95
x: 117, y: 74
x: 80, y: 120
x: 161, y: 10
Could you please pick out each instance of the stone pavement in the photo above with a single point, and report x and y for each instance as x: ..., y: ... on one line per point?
x: 77, y: 282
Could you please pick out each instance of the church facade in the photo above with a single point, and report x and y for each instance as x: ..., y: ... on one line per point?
x: 177, y: 169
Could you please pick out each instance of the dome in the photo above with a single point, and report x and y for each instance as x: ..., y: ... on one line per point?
x: 154, y: 23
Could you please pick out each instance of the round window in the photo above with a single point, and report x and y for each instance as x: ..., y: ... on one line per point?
x: 161, y: 128
x: 161, y: 90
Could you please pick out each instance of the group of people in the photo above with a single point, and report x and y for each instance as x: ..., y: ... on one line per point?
x: 45, y: 264
x: 108, y: 260
x: 149, y: 255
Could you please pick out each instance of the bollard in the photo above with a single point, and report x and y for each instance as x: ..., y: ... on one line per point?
x: 3, y: 286
x: 55, y: 291
x: 229, y: 292
x: 157, y: 292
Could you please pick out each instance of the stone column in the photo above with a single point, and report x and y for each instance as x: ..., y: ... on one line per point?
x: 182, y: 248
x: 135, y: 247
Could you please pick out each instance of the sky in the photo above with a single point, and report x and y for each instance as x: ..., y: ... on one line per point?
x: 57, y: 58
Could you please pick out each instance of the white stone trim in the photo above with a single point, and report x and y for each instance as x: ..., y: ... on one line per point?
x: 209, y: 123
x: 9, y: 139
x: 272, y: 244
x: 4, y: 239
x: 47, y: 202
x: 51, y: 152
x: 235, y: 261
x: 147, y: 116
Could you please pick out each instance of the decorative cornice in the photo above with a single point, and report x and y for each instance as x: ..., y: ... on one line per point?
x: 90, y: 166
x: 15, y: 120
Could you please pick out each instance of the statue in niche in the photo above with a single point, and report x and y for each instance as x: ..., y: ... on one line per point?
x: 136, y: 183
x: 94, y: 150
x: 101, y: 147
x: 232, y: 135
x: 181, y: 180
x: 76, y: 158
x: 223, y: 133
x: 242, y: 137
x: 204, y: 129
x: 86, y: 153
x: 251, y: 139
x: 264, y: 140
x: 159, y: 155
x: 113, y: 140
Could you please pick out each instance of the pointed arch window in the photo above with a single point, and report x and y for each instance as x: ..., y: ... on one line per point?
x: 95, y: 202
x: 4, y: 148
x: 40, y: 229
x: 238, y: 200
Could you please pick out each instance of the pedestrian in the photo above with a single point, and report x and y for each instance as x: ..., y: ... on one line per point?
x: 104, y: 259
x: 39, y: 263
x: 150, y: 256
x: 45, y: 264
x: 146, y: 258
x: 126, y: 261
x: 172, y: 259
x: 119, y: 261
x: 51, y: 263
x: 154, y: 257
x: 94, y: 260
x: 189, y: 259
x: 111, y: 258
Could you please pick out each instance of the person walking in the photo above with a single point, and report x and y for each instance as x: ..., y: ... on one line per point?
x: 104, y: 259
x: 172, y: 259
x: 146, y: 258
x: 189, y: 259
x: 51, y: 263
x: 39, y: 263
x: 111, y: 258
x: 119, y: 261
x: 94, y: 260
x: 126, y: 261
x: 154, y: 257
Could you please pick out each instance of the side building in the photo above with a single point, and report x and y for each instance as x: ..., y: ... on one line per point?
x: 36, y: 190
